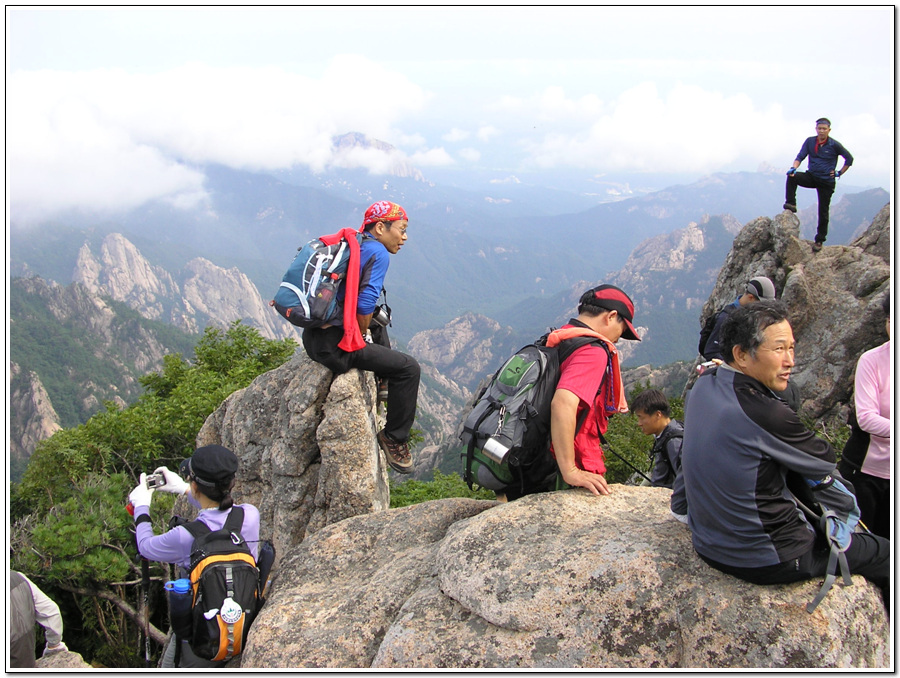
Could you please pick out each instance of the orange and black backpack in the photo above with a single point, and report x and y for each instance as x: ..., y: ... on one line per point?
x: 226, y: 586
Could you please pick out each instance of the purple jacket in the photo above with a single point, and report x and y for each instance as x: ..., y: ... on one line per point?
x: 175, y: 545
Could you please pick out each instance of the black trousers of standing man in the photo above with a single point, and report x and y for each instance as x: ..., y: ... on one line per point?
x: 824, y: 189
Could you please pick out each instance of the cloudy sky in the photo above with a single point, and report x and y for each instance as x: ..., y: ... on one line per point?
x: 109, y: 108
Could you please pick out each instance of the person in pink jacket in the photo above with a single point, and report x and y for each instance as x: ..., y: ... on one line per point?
x: 873, y: 412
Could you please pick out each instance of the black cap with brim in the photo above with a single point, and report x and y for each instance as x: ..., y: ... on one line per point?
x: 211, y: 465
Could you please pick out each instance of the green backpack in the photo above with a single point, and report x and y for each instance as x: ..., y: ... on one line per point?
x: 507, y: 432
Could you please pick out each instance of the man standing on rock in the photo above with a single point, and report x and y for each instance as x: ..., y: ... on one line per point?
x: 740, y: 444
x: 353, y: 344
x: 823, y: 153
x: 590, y: 389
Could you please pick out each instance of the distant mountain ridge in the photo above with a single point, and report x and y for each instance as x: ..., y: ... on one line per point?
x: 482, y: 252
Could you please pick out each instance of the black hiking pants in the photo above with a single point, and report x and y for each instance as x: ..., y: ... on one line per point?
x: 400, y: 369
x: 873, y: 495
x: 868, y: 555
x: 824, y: 189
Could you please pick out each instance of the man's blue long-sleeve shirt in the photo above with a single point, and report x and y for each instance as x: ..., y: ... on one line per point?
x: 823, y: 161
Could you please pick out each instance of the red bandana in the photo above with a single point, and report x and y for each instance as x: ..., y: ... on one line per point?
x: 383, y: 211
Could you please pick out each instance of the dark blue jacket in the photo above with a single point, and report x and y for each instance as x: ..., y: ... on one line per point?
x: 823, y: 163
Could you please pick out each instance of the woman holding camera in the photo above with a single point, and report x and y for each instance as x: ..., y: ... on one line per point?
x: 207, y: 479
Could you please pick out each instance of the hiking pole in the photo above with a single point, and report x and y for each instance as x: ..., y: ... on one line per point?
x: 606, y: 446
x: 628, y: 463
x: 145, y: 584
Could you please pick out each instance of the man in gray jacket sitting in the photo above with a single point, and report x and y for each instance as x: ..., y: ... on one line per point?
x: 740, y: 443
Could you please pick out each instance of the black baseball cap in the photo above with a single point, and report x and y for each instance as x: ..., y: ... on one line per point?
x: 210, y: 465
x: 612, y: 298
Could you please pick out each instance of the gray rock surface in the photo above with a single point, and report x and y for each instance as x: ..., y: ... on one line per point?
x: 559, y: 580
x: 834, y: 298
x: 60, y: 661
x: 306, y: 440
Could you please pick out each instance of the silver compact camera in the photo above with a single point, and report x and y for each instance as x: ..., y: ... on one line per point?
x: 702, y: 367
x: 156, y: 480
x: 382, y: 316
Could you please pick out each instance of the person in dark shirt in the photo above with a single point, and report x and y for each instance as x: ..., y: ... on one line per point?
x: 820, y: 174
x: 756, y: 289
x: 652, y: 411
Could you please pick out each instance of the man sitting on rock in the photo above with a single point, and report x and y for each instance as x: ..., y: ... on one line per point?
x: 384, y: 233
x: 740, y: 441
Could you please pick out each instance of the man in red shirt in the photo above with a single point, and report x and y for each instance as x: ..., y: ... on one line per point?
x: 590, y: 389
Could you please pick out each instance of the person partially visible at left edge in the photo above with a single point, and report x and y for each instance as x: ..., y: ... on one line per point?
x: 28, y: 605
x: 821, y: 172
x: 207, y: 480
x: 342, y: 348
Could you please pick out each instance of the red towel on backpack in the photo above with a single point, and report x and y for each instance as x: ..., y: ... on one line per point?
x: 353, y: 340
x: 616, y: 388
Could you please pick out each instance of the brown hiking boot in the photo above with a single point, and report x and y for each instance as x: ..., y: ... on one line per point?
x: 790, y: 207
x: 816, y: 246
x: 397, y: 454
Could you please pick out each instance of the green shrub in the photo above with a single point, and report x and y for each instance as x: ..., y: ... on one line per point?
x: 442, y: 487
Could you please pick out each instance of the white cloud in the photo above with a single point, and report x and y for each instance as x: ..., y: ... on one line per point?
x: 470, y: 154
x: 687, y: 129
x: 485, y: 132
x: 433, y: 157
x: 109, y: 139
x: 455, y: 135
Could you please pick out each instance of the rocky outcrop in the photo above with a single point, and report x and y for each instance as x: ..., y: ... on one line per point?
x: 466, y: 348
x: 61, y: 661
x: 201, y: 294
x: 834, y: 297
x: 89, y: 343
x: 673, y: 271
x: 558, y: 580
x: 122, y: 273
x: 306, y: 440
x: 670, y: 379
x: 32, y: 417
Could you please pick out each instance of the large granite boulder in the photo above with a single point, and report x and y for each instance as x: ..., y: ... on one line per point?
x: 559, y: 580
x: 306, y: 441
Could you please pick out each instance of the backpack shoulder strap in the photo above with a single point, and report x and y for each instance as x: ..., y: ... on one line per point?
x: 197, y: 528
x: 568, y: 346
x: 664, y: 441
x: 235, y: 520
x: 233, y: 523
x: 669, y: 434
